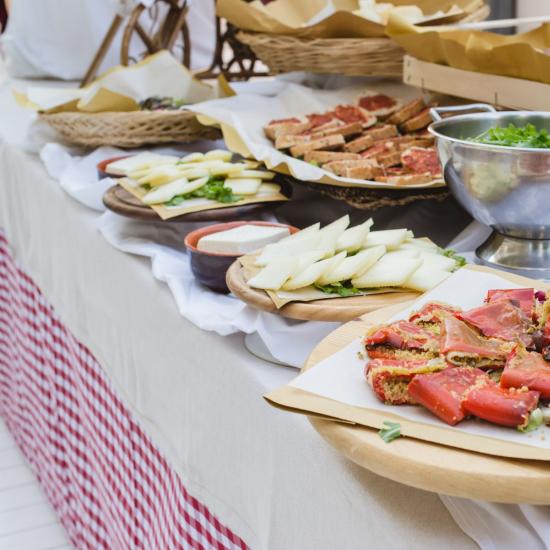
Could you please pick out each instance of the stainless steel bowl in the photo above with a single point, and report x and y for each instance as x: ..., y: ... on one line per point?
x: 505, y: 188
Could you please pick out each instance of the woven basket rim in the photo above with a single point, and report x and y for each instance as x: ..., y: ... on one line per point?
x: 119, y: 114
x: 251, y: 35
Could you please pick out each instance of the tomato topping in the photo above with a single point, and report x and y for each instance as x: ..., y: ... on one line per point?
x: 376, y: 102
x: 442, y: 393
x: 502, y: 406
x: 420, y: 160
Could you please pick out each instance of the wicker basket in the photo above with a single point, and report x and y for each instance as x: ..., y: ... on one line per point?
x: 129, y: 129
x: 345, y: 56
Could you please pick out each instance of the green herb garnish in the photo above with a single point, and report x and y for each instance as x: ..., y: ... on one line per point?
x: 146, y: 186
x: 460, y: 260
x: 391, y: 431
x: 213, y: 190
x: 515, y: 136
x: 343, y: 289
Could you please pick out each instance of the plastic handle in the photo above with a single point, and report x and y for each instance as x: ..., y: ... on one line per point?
x: 434, y: 111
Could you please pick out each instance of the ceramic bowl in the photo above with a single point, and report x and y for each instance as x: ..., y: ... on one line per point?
x: 209, y: 268
x: 102, y: 167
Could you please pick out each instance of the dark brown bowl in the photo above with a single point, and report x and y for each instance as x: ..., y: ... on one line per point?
x: 102, y: 167
x: 209, y: 268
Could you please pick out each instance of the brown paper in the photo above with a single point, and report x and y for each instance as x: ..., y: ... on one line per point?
x: 290, y: 17
x: 518, y: 56
x: 300, y: 401
x: 167, y: 213
x: 308, y: 294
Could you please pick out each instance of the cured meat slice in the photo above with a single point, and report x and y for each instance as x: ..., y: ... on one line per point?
x: 503, y: 406
x: 433, y: 313
x: 402, y: 340
x: 420, y: 160
x: 464, y: 347
x: 442, y: 393
x: 525, y: 298
x: 389, y: 377
x: 501, y: 319
x: 527, y: 369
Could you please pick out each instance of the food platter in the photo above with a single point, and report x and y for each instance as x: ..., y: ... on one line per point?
x: 120, y: 201
x: 425, y: 465
x: 332, y: 310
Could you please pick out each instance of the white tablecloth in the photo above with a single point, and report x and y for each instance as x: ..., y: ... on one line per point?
x: 198, y: 394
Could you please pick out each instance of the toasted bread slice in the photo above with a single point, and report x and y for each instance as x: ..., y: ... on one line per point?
x: 343, y: 130
x: 359, y: 144
x: 417, y: 122
x: 343, y: 167
x: 322, y: 157
x: 329, y: 142
x: 379, y: 148
x: 421, y: 160
x: 384, y: 131
x: 379, y: 104
x: 288, y: 140
x: 392, y: 158
x: 408, y: 111
x: 285, y: 125
x: 405, y: 179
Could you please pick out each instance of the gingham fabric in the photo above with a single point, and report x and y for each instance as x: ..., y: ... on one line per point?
x: 106, y: 479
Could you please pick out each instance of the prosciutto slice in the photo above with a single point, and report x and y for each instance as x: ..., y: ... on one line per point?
x: 463, y: 346
x: 524, y: 298
x: 500, y: 319
x: 433, y: 313
x: 527, y: 369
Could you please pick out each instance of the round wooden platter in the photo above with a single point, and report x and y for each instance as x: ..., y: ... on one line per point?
x: 337, y: 310
x: 430, y: 466
x: 120, y: 201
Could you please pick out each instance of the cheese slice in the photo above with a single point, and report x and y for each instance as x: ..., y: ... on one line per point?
x: 125, y: 166
x: 313, y: 273
x: 304, y: 233
x: 353, y: 266
x: 274, y: 276
x: 287, y: 248
x: 227, y: 169
x: 262, y: 174
x: 353, y: 238
x: 387, y: 273
x: 243, y: 186
x: 164, y: 193
x: 195, y: 173
x: 267, y: 189
x: 329, y: 235
x: 390, y: 238
x: 219, y: 154
x: 424, y: 244
x: 160, y: 175
x: 425, y: 278
x: 241, y: 240
x: 437, y: 261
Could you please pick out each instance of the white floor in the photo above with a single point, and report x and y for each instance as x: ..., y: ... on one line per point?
x: 27, y: 520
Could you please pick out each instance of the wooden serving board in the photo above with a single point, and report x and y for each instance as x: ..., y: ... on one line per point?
x: 121, y: 202
x: 337, y: 310
x: 425, y: 465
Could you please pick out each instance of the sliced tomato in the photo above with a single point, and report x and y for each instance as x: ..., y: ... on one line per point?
x: 502, y: 406
x: 527, y: 369
x: 524, y: 297
x: 442, y: 393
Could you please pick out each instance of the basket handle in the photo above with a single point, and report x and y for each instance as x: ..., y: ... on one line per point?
x: 435, y: 111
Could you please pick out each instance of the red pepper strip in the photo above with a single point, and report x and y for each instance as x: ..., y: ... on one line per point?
x: 524, y: 297
x: 442, y: 393
x: 528, y: 369
x: 389, y: 377
x: 501, y: 319
x: 506, y: 407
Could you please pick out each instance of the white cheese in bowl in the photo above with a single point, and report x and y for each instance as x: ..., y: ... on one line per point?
x: 241, y: 240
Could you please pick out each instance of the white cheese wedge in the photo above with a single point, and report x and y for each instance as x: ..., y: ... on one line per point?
x: 243, y: 186
x: 425, y: 278
x: 302, y: 234
x: 192, y: 157
x: 227, y: 169
x: 353, y: 238
x: 329, y: 235
x: 267, y: 189
x: 402, y: 254
x: 419, y: 244
x: 353, y: 266
x: 262, y: 174
x: 275, y: 275
x: 314, y: 272
x: 437, y: 261
x: 241, y: 240
x: 390, y: 238
x: 195, y: 173
x: 164, y: 193
x: 287, y: 248
x: 160, y: 175
x: 219, y: 154
x: 308, y: 258
x: 124, y: 166
x: 387, y: 273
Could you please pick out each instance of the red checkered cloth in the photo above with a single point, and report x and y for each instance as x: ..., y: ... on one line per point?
x: 108, y: 482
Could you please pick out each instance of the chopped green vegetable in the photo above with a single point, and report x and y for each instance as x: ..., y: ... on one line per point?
x: 536, y: 419
x: 213, y: 190
x: 343, y: 289
x: 460, y: 260
x: 391, y: 431
x: 146, y: 186
x: 515, y: 136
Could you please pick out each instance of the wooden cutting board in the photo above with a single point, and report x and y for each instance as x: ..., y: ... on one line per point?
x: 430, y: 466
x: 338, y: 310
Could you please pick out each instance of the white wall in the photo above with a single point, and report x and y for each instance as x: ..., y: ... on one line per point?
x: 531, y: 8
